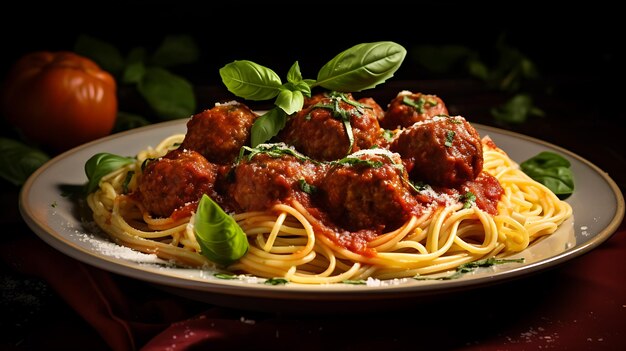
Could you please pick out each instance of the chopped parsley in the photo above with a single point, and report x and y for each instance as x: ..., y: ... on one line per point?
x: 449, y: 138
x: 419, y: 104
x: 225, y: 276
x: 354, y: 282
x: 471, y: 266
x: 468, y: 199
x: 306, y: 187
x: 273, y: 150
x: 388, y: 135
x: 276, y: 281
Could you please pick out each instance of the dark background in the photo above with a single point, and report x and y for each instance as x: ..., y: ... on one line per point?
x: 561, y: 40
x: 576, y: 49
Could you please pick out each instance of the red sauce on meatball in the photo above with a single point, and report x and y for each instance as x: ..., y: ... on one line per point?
x: 175, y: 180
x: 408, y: 108
x: 353, y: 195
x: 442, y: 151
x: 320, y: 132
x: 218, y: 133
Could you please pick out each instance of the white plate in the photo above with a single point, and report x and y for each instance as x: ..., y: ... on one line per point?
x: 597, y: 203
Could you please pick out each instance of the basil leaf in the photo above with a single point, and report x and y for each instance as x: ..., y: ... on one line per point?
x: 294, y: 75
x: 221, y: 239
x: 100, y: 165
x: 250, y: 81
x: 551, y: 170
x: 170, y: 95
x: 290, y: 101
x: 267, y: 126
x: 361, y: 67
x: 18, y: 161
x: 176, y: 50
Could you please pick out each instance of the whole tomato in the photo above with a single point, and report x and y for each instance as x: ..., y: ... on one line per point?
x: 59, y: 99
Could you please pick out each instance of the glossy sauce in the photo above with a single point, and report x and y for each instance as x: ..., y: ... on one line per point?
x: 353, y: 198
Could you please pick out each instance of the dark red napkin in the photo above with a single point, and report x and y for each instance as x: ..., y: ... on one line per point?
x: 579, y: 305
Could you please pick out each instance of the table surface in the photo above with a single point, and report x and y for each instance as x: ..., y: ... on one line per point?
x: 579, y: 305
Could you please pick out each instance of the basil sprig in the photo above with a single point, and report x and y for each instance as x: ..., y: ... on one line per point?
x: 360, y: 67
x: 551, y: 170
x: 102, y: 164
x: 221, y: 239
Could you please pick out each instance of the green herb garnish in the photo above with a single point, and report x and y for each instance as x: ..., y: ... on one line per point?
x: 449, y: 138
x: 225, y: 276
x: 306, y: 187
x: 471, y: 266
x: 468, y: 199
x: 276, y: 281
x: 418, y: 104
x: 273, y: 150
x: 388, y: 135
x: 354, y: 282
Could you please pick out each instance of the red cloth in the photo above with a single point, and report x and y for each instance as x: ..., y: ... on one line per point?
x: 580, y: 305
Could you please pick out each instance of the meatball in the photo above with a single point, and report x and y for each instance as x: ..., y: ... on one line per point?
x: 264, y: 180
x: 407, y: 108
x: 376, y: 108
x: 319, y: 131
x: 369, y: 192
x: 174, y: 180
x: 442, y: 151
x: 218, y: 133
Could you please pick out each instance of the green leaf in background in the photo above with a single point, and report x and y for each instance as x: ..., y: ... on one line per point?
x: 250, y: 80
x: 127, y: 121
x: 135, y: 68
x: 170, y: 96
x: 101, y: 164
x: 516, y: 110
x: 267, y: 126
x: 441, y: 59
x: 361, y: 67
x: 512, y: 69
x: 477, y: 68
x: 176, y: 50
x: 107, y: 56
x: 220, y: 238
x: 18, y: 161
x: 551, y: 170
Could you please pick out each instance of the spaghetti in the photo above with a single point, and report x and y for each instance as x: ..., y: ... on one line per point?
x: 284, y: 240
